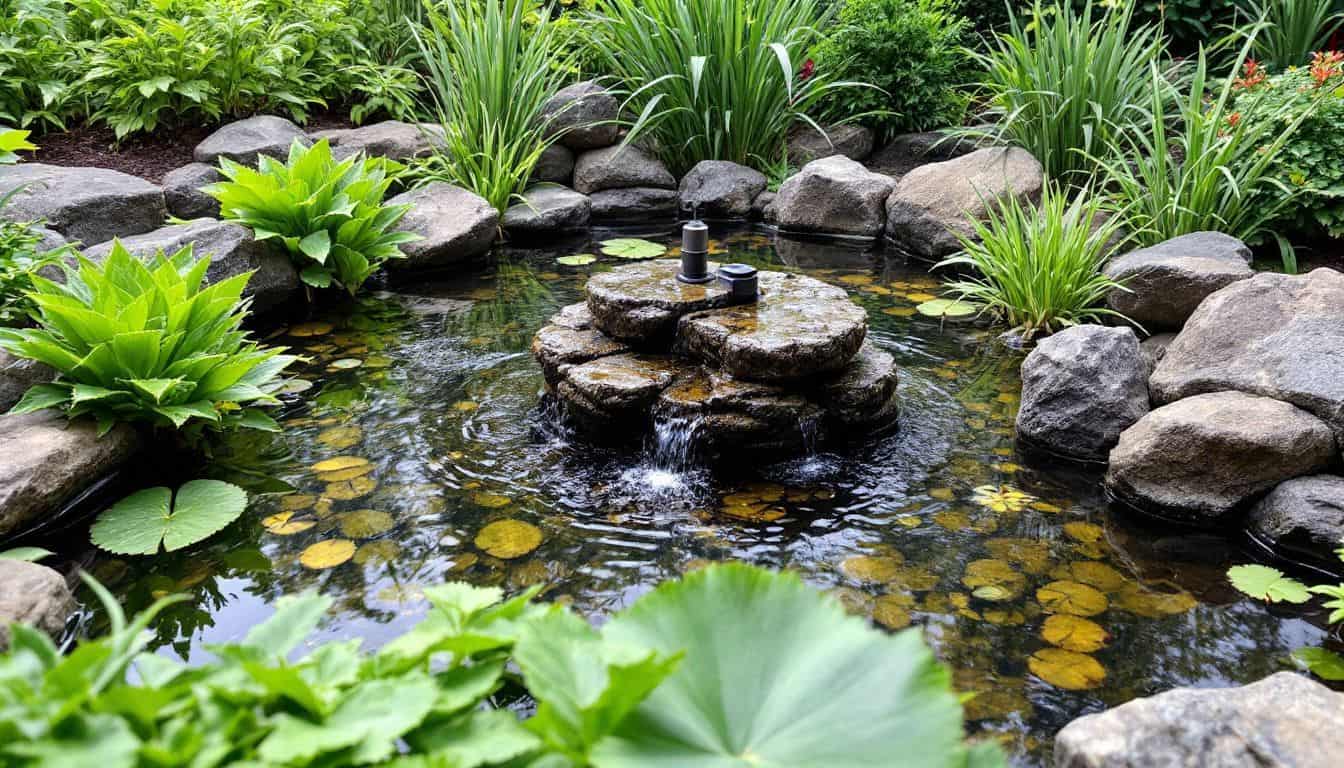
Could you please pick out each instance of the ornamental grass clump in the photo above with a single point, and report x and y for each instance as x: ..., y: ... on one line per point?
x: 328, y: 214
x: 1038, y: 267
x: 148, y: 343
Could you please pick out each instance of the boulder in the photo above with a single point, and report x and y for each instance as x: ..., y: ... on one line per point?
x: 232, y: 251
x: 851, y: 140
x: 1081, y: 388
x: 548, y: 210
x: 763, y: 207
x: 718, y: 189
x: 639, y: 203
x: 620, y: 167
x: 457, y: 226
x: 1154, y: 348
x: 833, y: 196
x: 1166, y: 282
x: 933, y: 204
x: 584, y: 116
x: 641, y: 303
x: 47, y: 462
x: 35, y: 595
x: 182, y: 191
x: 18, y: 375
x: 49, y: 240
x: 908, y: 151
x: 89, y: 205
x: 245, y: 140
x: 1274, y: 335
x: 555, y: 166
x: 863, y: 393
x: 1197, y: 460
x: 1302, y: 519
x: 1284, y: 721
x: 392, y: 139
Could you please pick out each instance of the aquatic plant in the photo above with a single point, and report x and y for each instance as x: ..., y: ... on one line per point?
x: 147, y: 343
x: 328, y: 214
x: 155, y: 518
x: 660, y: 682
x: 1272, y: 586
x: 1038, y: 267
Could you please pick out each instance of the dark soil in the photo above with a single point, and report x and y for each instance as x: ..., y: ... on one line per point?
x: 147, y: 156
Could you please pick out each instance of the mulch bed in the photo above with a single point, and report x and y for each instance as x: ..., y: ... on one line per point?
x: 147, y: 156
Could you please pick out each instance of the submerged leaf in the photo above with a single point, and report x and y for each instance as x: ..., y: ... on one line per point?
x: 577, y: 260
x: 1074, y: 633
x: 327, y: 554
x: 507, y: 539
x: 1067, y: 669
x: 1072, y: 598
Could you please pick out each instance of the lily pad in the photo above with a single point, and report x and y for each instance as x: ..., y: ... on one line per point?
x: 142, y: 522
x: 1072, y: 598
x: 345, y: 490
x: 490, y: 500
x: 327, y: 554
x: 1074, y: 633
x: 366, y: 523
x: 633, y: 248
x: 1067, y: 669
x: 948, y: 309
x: 1268, y: 584
x: 287, y: 524
x: 872, y: 568
x: 577, y: 260
x: 1150, y: 604
x: 993, y: 580
x: 345, y: 363
x: 311, y: 329
x: 507, y: 539
x: 340, y: 438
x: 377, y: 552
x: 338, y: 463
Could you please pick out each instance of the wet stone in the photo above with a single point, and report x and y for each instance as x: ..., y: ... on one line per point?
x: 617, y: 390
x: 733, y: 418
x: 558, y: 347
x: 864, y: 393
x: 642, y: 303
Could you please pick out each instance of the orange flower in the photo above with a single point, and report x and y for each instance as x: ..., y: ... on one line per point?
x: 1325, y: 65
x: 1233, y: 120
x: 1252, y: 75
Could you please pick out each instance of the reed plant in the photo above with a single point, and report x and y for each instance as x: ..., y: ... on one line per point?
x: 1288, y: 32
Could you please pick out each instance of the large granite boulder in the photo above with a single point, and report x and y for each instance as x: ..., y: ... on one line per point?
x: 1154, y: 348
x: 18, y: 375
x: 833, y: 196
x: 89, y: 205
x: 851, y: 140
x: 47, y: 462
x: 1197, y: 460
x: 392, y: 139
x: 1302, y: 519
x: 547, y: 210
x: 933, y: 204
x: 1165, y: 283
x: 456, y: 226
x: 799, y: 328
x: 1284, y: 721
x: 908, y: 151
x: 584, y: 116
x: 245, y: 140
x: 642, y: 204
x: 1279, y: 336
x: 35, y: 595
x: 555, y: 166
x: 232, y: 251
x: 641, y: 303
x: 620, y: 167
x: 718, y: 189
x: 182, y: 191
x: 1081, y: 388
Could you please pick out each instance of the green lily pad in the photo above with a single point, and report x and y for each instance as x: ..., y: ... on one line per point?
x: 141, y: 522
x: 1322, y: 663
x: 633, y: 248
x: 577, y: 260
x: 1268, y: 584
x: 950, y: 309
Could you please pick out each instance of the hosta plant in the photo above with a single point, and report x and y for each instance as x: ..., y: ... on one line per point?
x: 148, y: 343
x: 328, y: 213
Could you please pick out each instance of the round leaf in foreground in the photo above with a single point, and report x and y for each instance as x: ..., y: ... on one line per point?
x: 142, y: 522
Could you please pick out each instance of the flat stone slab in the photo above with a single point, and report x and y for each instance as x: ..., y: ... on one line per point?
x: 641, y: 303
x: 243, y: 141
x: 90, y: 205
x: 456, y: 226
x: 618, y: 391
x: 392, y: 139
x: 641, y: 204
x: 800, y: 327
x: 728, y: 416
x: 558, y: 347
x: 863, y: 394
x: 547, y: 210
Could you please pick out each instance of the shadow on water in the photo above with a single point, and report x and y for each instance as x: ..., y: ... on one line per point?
x: 939, y: 524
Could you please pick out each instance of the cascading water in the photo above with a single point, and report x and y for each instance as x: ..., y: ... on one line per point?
x: 672, y: 450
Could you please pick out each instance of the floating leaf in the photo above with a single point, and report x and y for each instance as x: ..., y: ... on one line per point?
x: 365, y: 523
x: 346, y: 490
x: 345, y: 363
x: 1093, y: 574
x: 465, y: 406
x: 993, y: 580
x: 1067, y: 669
x: 296, y: 386
x: 1322, y: 663
x: 507, y: 539
x: 1086, y: 533
x: 311, y: 329
x: 632, y: 248
x: 1074, y: 633
x: 1002, y: 498
x: 327, y: 554
x: 339, y: 463
x: 577, y: 260
x: 340, y: 438
x: 1268, y: 584
x: 1142, y: 602
x: 345, y: 474
x: 949, y: 309
x: 141, y: 522
x: 377, y: 552
x: 286, y: 524
x: 872, y: 568
x: 1072, y: 598
x: 490, y: 500
x: 297, y: 501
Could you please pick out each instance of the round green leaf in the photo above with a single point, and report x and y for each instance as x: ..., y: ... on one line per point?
x: 141, y: 522
x: 203, y: 508
x: 633, y: 248
x: 577, y: 260
x: 773, y: 672
x: 1322, y: 663
x: 950, y: 309
x: 1268, y: 584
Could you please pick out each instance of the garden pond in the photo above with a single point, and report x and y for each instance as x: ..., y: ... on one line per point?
x: 422, y: 451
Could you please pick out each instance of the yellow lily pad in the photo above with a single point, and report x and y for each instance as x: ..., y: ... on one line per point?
x: 297, y: 501
x: 1067, y: 669
x: 340, y: 438
x: 327, y: 554
x: 1074, y: 633
x: 1093, y: 574
x: 891, y: 613
x: 1004, y: 617
x: 1071, y: 597
x: 465, y: 406
x: 942, y: 494
x: 1086, y: 533
x: 508, y: 539
x: 338, y: 463
x: 872, y: 568
x: 1151, y: 604
x: 366, y: 523
x: 304, y: 330
x: 377, y: 552
x: 345, y: 474
x: 286, y: 524
x: 346, y: 490
x: 993, y: 580
x: 1002, y: 498
x: 1031, y: 555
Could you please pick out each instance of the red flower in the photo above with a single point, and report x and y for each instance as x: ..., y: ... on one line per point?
x: 809, y: 67
x: 1234, y: 119
x: 1325, y: 65
x: 1252, y: 75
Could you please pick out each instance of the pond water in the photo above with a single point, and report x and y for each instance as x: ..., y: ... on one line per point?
x: 424, y: 424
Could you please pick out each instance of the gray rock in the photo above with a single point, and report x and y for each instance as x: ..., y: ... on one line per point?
x: 908, y: 151
x: 641, y: 303
x: 547, y: 210
x: 613, y: 396
x: 556, y: 166
x: 620, y: 167
x: 1197, y: 460
x: 557, y: 348
x: 851, y: 140
x: 1154, y: 348
x: 35, y: 595
x: 182, y: 190
x: 1167, y: 282
x: 833, y: 196
x: 1274, y: 335
x: 243, y: 141
x: 763, y: 207
x: 639, y: 203
x: 51, y: 239
x: 18, y: 375
x: 232, y: 251
x: 584, y: 116
x: 89, y: 205
x: 1302, y: 519
x: 1284, y: 721
x: 863, y: 394
x: 457, y: 226
x: 734, y: 421
x: 1081, y: 388
x: 933, y: 204
x: 46, y: 463
x: 718, y: 189
x: 392, y: 139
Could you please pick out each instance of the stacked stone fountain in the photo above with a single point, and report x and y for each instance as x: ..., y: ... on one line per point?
x: 770, y: 377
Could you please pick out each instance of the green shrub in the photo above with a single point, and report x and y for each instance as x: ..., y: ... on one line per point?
x: 912, y: 51
x: 37, y: 63
x: 328, y: 214
x: 136, y: 342
x: 1038, y: 268
x: 658, y: 685
x: 1066, y: 85
x: 20, y: 260
x: 491, y: 71
x: 713, y: 79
